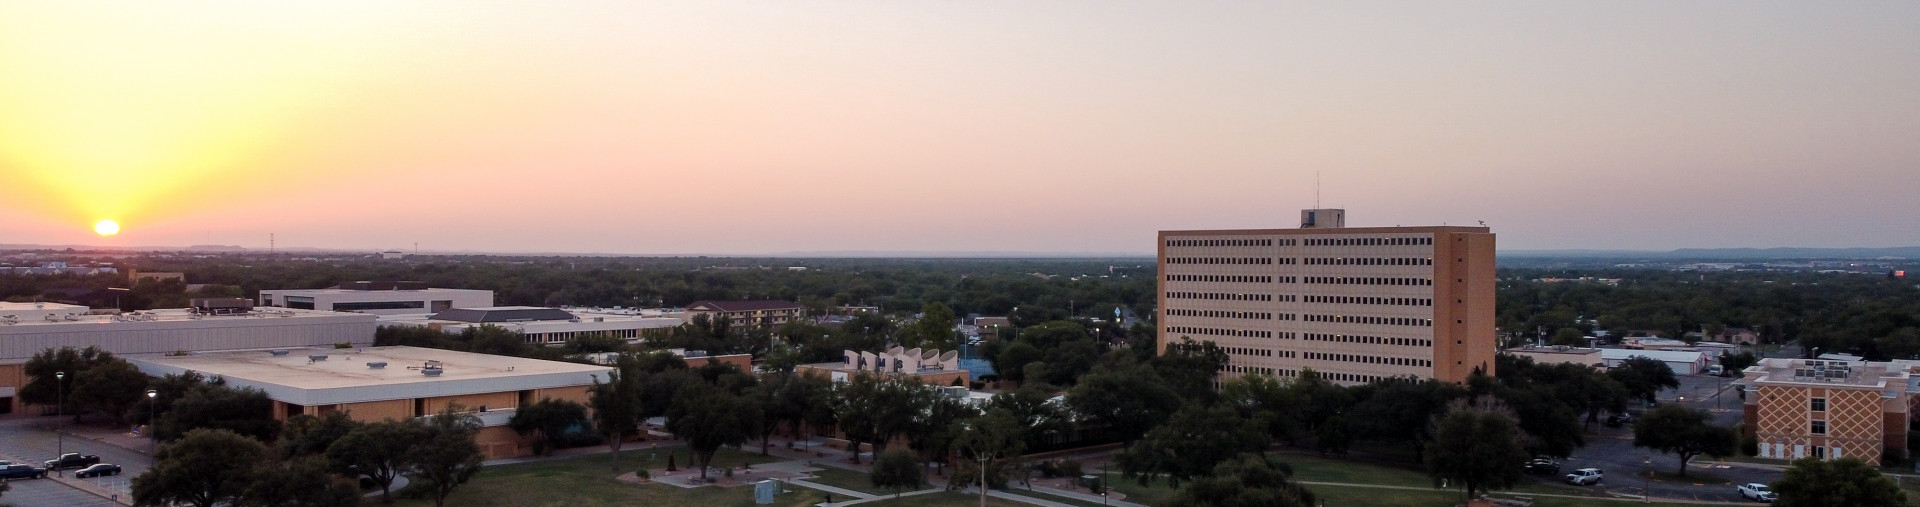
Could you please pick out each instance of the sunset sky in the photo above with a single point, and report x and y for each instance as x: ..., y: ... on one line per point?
x: 1062, y: 127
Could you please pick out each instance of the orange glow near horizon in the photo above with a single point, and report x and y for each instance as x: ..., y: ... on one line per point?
x: 1069, y: 127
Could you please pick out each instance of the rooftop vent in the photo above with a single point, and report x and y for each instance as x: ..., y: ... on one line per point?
x: 377, y: 365
x: 316, y: 357
x: 277, y: 352
x: 431, y: 372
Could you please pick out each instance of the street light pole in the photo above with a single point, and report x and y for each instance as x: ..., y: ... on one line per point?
x: 59, y: 410
x: 1646, y: 481
x: 983, y: 480
x: 152, y: 398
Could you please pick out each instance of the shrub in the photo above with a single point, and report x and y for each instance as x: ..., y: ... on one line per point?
x: 1749, y: 446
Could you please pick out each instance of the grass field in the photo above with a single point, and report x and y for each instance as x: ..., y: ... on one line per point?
x: 848, y: 479
x: 587, y: 481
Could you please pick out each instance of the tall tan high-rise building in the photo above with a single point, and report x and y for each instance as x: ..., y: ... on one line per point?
x: 1355, y: 304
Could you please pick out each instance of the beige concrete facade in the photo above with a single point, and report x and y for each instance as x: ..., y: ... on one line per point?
x: 1355, y: 304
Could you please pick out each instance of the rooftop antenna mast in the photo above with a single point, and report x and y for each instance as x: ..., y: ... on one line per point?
x: 270, y: 244
x: 1316, y: 190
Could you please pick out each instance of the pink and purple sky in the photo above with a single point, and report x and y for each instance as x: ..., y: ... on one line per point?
x: 1062, y: 127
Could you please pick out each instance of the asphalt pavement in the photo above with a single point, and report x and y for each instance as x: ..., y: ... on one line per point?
x: 32, y: 440
x: 1612, y: 450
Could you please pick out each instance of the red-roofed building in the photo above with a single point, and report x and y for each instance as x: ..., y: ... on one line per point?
x: 758, y: 313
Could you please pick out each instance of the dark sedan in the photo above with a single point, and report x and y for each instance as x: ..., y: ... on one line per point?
x: 99, y: 470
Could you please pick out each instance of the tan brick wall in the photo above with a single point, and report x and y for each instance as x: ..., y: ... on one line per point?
x: 378, y: 410
x: 474, y: 401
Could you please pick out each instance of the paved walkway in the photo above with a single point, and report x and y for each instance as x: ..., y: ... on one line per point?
x: 1085, y: 497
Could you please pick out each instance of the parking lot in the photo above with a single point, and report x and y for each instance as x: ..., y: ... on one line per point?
x: 1612, y: 450
x: 30, y: 440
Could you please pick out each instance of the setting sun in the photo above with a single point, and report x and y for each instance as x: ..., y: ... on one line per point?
x: 106, y: 228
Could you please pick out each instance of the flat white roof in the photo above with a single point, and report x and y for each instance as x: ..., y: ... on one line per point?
x: 345, y: 376
x: 401, y: 292
x: 1671, y: 356
x: 15, y: 307
x: 146, y: 318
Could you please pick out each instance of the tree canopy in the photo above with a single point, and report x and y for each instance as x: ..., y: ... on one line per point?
x: 1845, y: 482
x: 1685, y: 432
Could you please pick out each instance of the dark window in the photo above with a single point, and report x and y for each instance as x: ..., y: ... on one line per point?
x: 1819, y: 405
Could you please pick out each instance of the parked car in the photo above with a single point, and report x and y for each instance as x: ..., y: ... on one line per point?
x: 1585, y: 477
x: 1756, y: 491
x: 22, y: 472
x: 99, y: 470
x: 72, y: 460
x: 1618, y: 420
x: 1543, y: 466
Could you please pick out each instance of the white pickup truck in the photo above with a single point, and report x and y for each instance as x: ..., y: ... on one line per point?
x: 1585, y: 477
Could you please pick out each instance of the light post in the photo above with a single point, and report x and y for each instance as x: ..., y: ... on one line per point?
x: 983, y: 480
x: 59, y: 409
x: 1646, y: 481
x: 152, y: 398
x: 1105, y: 487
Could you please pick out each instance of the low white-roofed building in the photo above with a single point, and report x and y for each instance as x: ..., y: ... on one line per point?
x: 543, y: 326
x: 1683, y: 362
x: 378, y: 298
x: 375, y: 383
x: 14, y: 313
x: 216, y: 325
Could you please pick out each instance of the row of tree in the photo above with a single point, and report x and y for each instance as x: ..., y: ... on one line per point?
x: 317, y: 463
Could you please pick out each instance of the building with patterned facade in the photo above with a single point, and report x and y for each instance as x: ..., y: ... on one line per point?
x: 1354, y: 304
x: 1830, y: 409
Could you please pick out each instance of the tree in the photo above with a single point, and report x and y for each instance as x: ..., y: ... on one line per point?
x: 549, y: 420
x: 204, y: 468
x: 1845, y: 482
x: 1189, y: 368
x: 1011, y: 360
x: 873, y: 409
x: 708, y: 416
x: 1477, y: 447
x: 246, y: 411
x: 1644, y: 377
x: 1129, y: 397
x: 110, y: 387
x: 1684, y: 432
x: 302, y: 482
x: 1399, y: 410
x: 310, y: 435
x: 1251, y: 480
x: 376, y: 451
x: 44, y: 385
x: 594, y: 343
x: 618, y: 403
x: 898, y: 470
x: 1192, y: 442
x: 446, y: 457
x: 1035, y: 412
x: 933, y: 330
x: 1734, y: 363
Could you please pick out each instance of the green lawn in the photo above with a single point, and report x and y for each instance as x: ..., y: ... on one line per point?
x: 1315, y: 468
x: 848, y: 479
x: 589, y: 481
